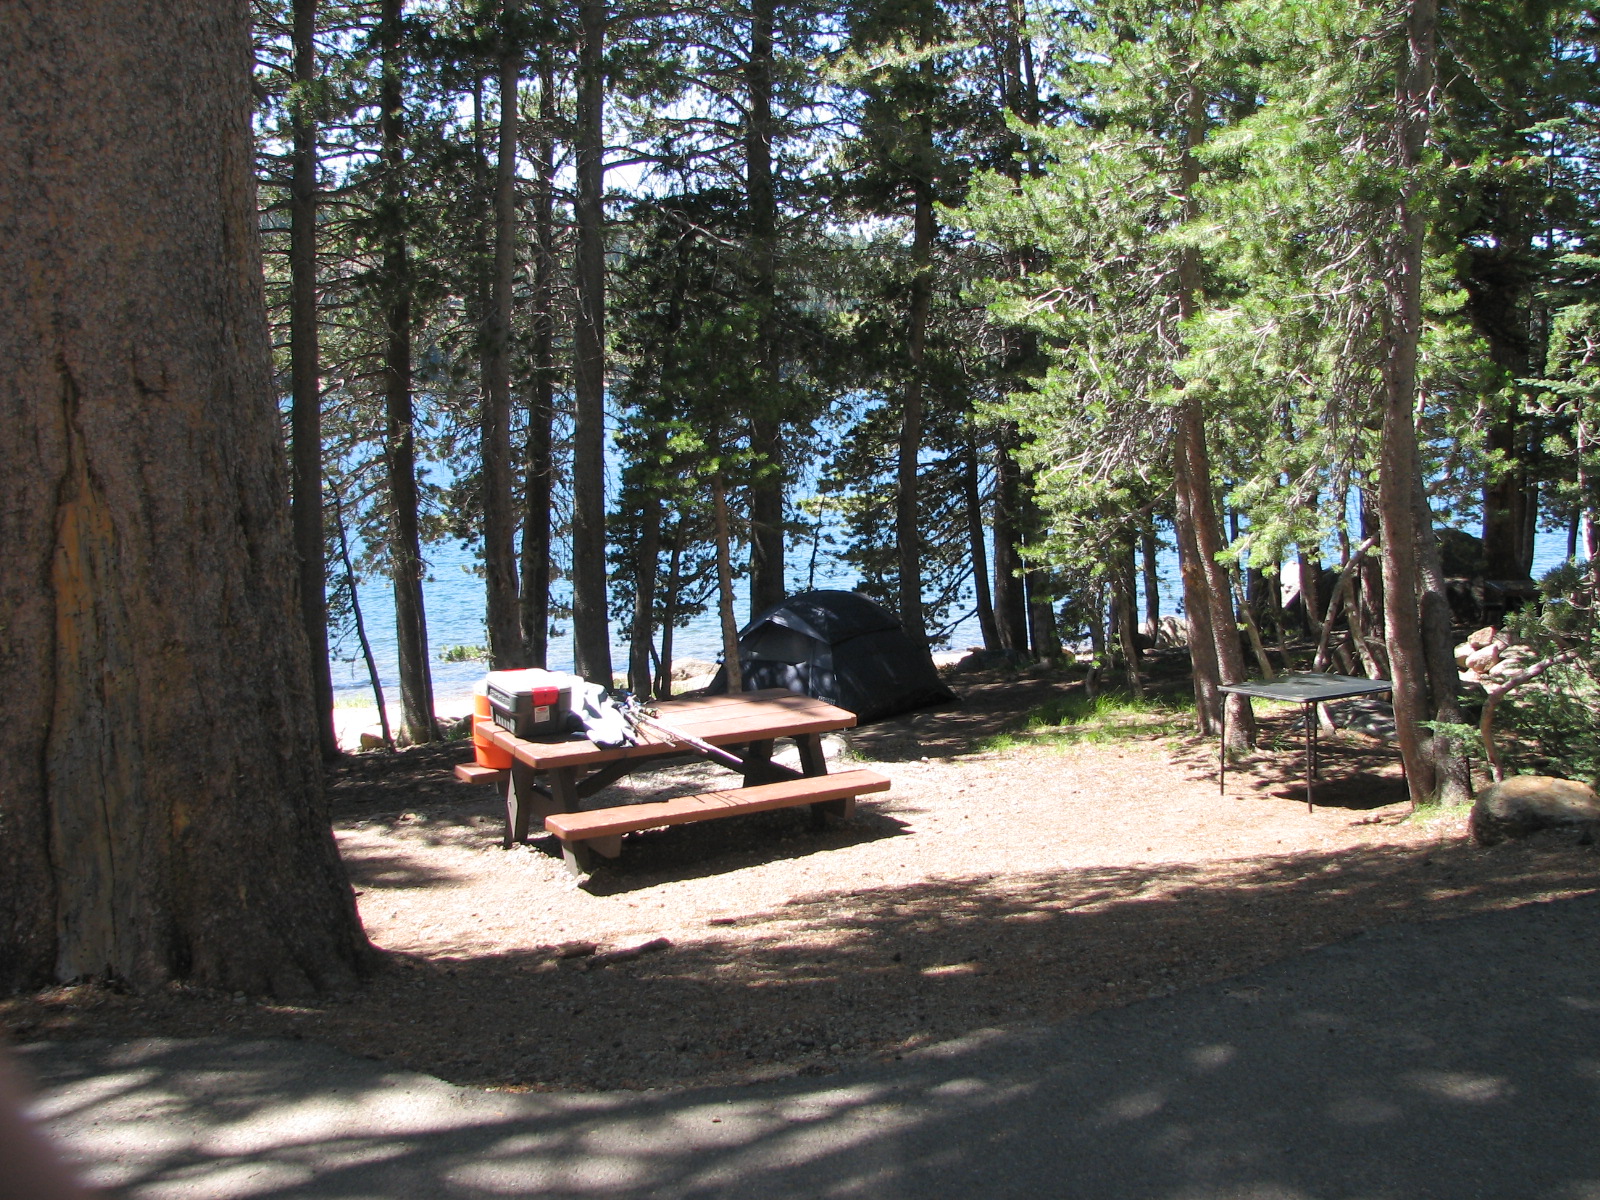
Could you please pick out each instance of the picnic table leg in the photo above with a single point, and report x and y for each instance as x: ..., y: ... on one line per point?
x: 564, y: 789
x: 813, y: 762
x: 757, y: 757
x: 520, y: 793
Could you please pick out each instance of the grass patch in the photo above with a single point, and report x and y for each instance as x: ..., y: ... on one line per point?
x: 1110, y: 717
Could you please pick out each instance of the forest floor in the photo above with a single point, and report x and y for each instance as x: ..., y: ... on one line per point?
x: 1009, y: 877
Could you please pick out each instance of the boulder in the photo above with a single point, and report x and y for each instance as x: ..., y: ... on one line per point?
x: 1169, y: 632
x: 1525, y: 804
x: 691, y: 668
x: 1481, y: 660
x: 1460, y: 553
x: 989, y: 660
x: 1479, y: 638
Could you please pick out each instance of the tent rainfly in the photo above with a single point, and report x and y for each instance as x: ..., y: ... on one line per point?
x: 839, y: 647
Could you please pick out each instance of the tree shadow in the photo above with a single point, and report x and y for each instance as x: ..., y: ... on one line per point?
x: 991, y: 703
x: 1443, y: 1060
x: 1356, y: 771
x: 378, y: 869
x: 707, y: 848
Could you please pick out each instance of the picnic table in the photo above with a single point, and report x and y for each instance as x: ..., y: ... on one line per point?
x: 1308, y: 689
x: 549, y: 779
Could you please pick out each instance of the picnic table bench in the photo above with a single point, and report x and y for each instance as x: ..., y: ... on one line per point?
x: 550, y: 779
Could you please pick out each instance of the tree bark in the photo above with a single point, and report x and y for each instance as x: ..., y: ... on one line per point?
x: 591, y: 635
x: 1152, y: 582
x: 767, y: 584
x: 1123, y: 574
x: 730, y: 630
x: 1412, y: 617
x: 975, y: 538
x: 1190, y: 446
x: 161, y: 805
x: 1197, y: 607
x: 907, y: 509
x: 400, y: 449
x: 1010, y: 604
x: 305, y: 420
x: 644, y: 600
x: 669, y: 612
x: 1043, y: 640
x: 539, y: 480
x: 503, y: 615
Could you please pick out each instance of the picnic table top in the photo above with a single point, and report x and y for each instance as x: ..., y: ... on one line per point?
x: 1309, y: 687
x: 721, y: 720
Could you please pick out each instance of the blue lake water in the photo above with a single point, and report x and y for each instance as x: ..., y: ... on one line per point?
x: 454, y: 595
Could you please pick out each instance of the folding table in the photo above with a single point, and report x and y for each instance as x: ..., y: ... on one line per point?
x: 1307, y: 689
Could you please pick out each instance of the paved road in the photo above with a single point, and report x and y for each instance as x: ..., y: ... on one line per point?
x: 1457, y: 1060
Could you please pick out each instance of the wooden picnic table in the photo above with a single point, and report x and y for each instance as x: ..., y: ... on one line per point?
x: 550, y: 778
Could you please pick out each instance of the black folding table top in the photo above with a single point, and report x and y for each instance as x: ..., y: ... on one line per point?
x: 1309, y: 687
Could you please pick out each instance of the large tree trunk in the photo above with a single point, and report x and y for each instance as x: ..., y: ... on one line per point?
x: 975, y: 537
x: 767, y: 585
x: 669, y: 611
x: 1043, y: 640
x: 1412, y: 617
x: 503, y: 616
x: 591, y: 636
x: 539, y: 480
x: 644, y: 601
x: 1194, y: 477
x: 1010, y: 604
x: 907, y: 509
x: 730, y: 629
x: 399, y: 442
x: 1205, y: 674
x: 161, y: 805
x: 1152, y: 580
x: 310, y: 531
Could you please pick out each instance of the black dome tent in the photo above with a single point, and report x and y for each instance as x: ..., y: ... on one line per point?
x: 839, y: 647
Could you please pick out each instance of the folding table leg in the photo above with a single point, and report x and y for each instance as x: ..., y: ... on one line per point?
x: 1222, y: 751
x: 1310, y: 711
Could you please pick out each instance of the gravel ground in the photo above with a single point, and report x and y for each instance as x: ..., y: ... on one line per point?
x: 988, y: 888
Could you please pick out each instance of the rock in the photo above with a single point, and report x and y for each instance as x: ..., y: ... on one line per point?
x: 372, y: 739
x: 1481, y: 660
x: 628, y: 953
x: 691, y: 668
x: 1479, y: 638
x: 1460, y: 553
x: 1506, y: 667
x: 1525, y: 804
x: 986, y: 660
x: 1171, y: 631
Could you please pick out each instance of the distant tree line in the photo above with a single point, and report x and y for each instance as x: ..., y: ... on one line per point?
x: 1010, y: 296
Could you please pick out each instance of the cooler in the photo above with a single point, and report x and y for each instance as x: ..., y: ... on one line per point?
x: 530, y: 703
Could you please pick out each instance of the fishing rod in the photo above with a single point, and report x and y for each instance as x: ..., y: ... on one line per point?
x: 641, y: 716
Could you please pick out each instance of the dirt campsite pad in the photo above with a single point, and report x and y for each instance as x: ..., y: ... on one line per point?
x: 996, y: 884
